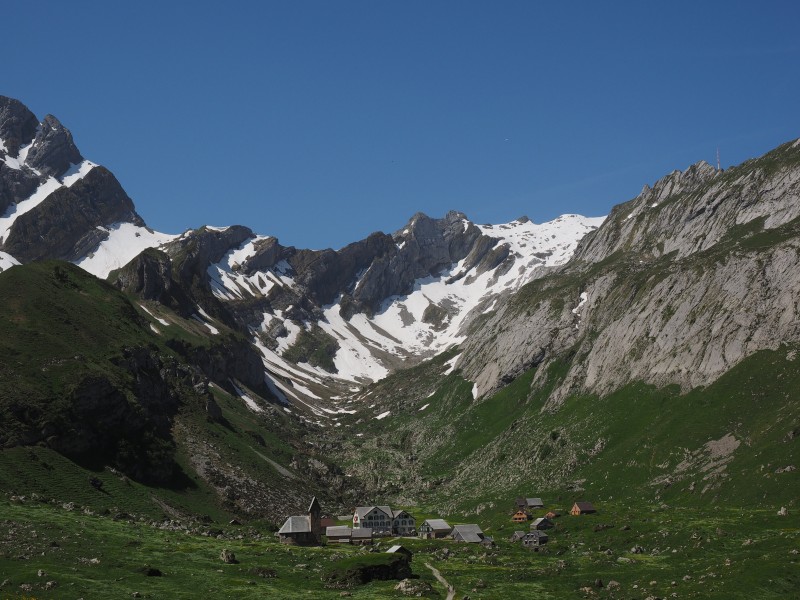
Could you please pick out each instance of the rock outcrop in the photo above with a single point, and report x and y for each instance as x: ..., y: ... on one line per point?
x: 17, y: 125
x: 69, y: 222
x: 53, y: 150
x: 676, y: 287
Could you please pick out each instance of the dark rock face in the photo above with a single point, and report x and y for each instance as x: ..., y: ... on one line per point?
x: 268, y: 253
x: 149, y: 276
x: 192, y: 254
x: 65, y: 224
x: 53, y: 150
x: 133, y: 434
x: 17, y: 124
x: 15, y: 185
x: 363, y: 274
x: 424, y: 247
x: 325, y: 274
x: 230, y: 358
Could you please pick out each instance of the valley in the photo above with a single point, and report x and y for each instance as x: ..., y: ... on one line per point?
x: 165, y: 397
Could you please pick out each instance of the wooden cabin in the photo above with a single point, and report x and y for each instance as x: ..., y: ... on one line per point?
x: 529, y: 503
x: 582, y: 508
x: 542, y: 523
x: 338, y: 534
x: 520, y: 517
x: 472, y: 534
x: 361, y: 536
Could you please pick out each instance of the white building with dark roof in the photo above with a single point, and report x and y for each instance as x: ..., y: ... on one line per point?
x: 434, y: 529
x: 378, y: 518
x: 403, y: 523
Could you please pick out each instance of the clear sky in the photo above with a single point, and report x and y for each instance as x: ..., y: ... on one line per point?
x: 320, y: 122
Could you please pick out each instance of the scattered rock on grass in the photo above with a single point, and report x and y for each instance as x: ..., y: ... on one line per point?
x: 228, y: 557
x: 265, y: 572
x: 413, y: 587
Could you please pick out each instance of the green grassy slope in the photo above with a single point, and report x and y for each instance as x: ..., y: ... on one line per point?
x: 91, y: 388
x: 712, y: 446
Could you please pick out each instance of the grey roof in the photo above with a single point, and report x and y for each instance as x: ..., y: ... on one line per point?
x: 398, y: 512
x: 536, y: 533
x: 338, y: 531
x: 469, y: 533
x: 296, y: 525
x: 313, y: 502
x: 362, y: 533
x: 584, y: 506
x: 362, y: 511
x: 398, y: 548
x: 541, y: 522
x: 438, y: 524
x: 534, y: 501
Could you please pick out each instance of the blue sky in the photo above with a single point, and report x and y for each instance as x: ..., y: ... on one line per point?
x: 320, y: 122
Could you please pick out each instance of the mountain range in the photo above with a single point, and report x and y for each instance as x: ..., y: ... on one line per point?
x: 438, y: 351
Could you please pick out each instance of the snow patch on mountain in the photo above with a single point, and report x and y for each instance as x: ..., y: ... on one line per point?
x: 77, y: 172
x: 402, y: 330
x: 159, y: 319
x: 7, y: 261
x: 50, y: 185
x: 125, y: 242
x: 553, y: 242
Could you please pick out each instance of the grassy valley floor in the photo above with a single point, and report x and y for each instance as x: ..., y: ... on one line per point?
x: 635, y: 551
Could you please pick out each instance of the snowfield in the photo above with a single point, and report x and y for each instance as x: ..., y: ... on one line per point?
x: 125, y: 242
x: 369, y: 348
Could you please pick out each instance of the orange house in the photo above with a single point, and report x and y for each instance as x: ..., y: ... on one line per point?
x: 519, y: 517
x: 582, y: 508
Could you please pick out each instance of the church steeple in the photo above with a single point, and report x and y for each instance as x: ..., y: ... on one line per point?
x: 314, y: 518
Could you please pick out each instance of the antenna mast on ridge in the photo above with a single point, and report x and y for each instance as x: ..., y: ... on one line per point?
x: 718, y: 167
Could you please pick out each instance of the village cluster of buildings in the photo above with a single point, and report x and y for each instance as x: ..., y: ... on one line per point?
x: 370, y: 522
x: 536, y: 537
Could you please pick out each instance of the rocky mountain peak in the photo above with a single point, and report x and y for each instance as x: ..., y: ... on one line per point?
x: 17, y: 125
x: 53, y: 150
x: 195, y: 250
x: 71, y: 221
x: 679, y: 181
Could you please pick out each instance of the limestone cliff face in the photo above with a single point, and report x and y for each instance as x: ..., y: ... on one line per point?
x: 676, y: 287
x: 691, y: 211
